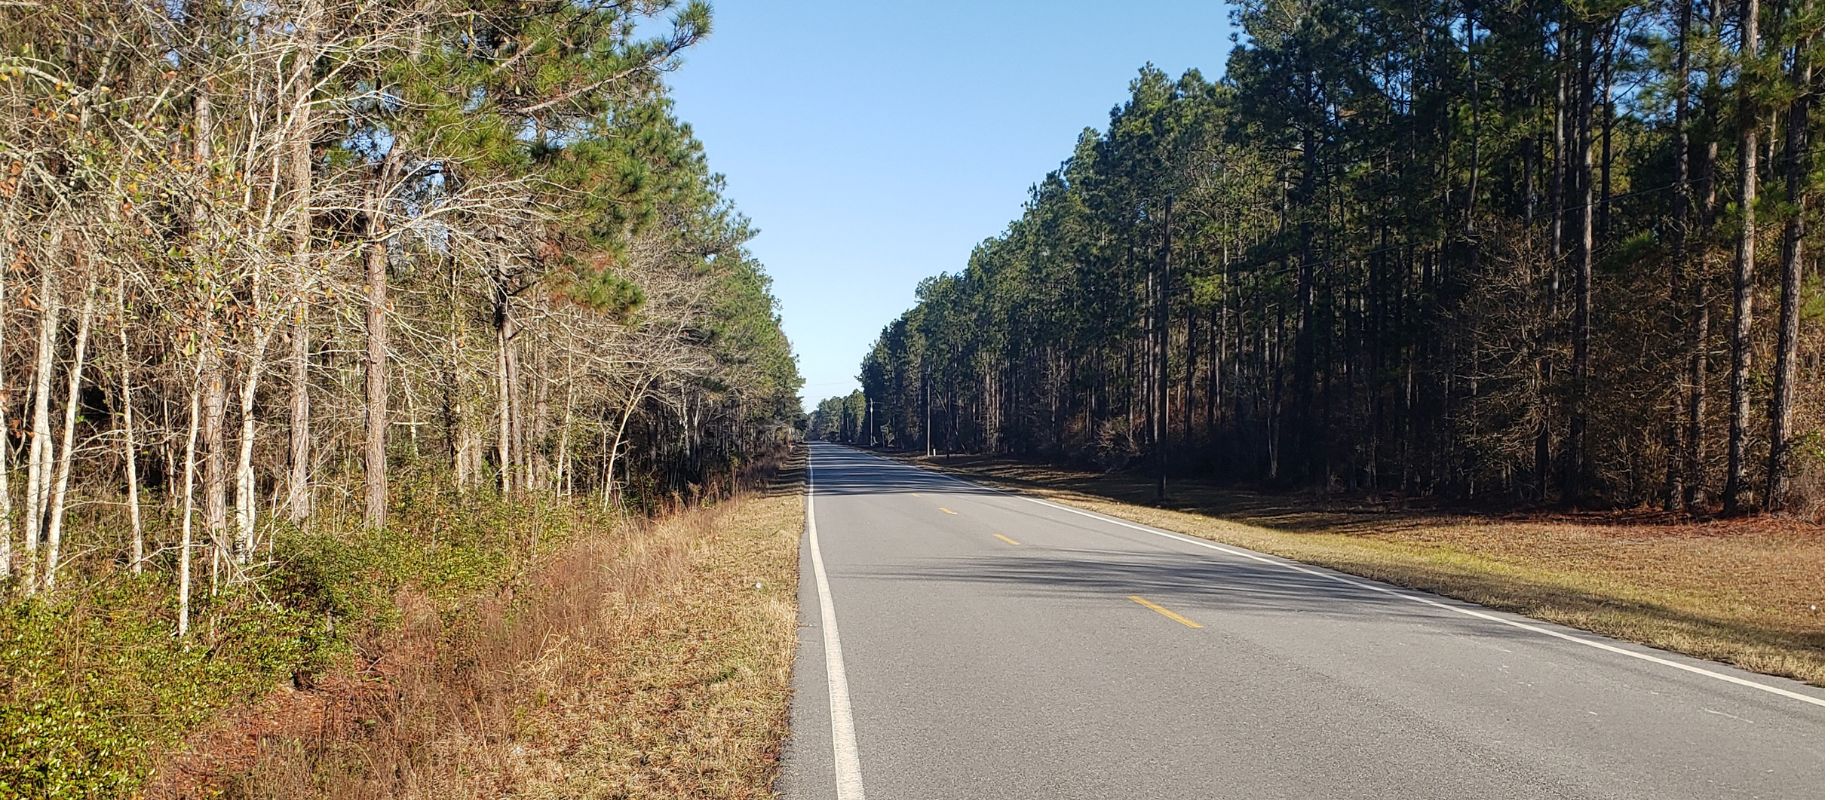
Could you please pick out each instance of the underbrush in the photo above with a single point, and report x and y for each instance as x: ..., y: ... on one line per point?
x: 92, y: 679
x: 96, y: 689
x: 650, y: 661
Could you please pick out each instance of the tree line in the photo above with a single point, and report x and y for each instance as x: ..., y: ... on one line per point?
x: 841, y: 419
x: 1538, y: 251
x: 267, y: 264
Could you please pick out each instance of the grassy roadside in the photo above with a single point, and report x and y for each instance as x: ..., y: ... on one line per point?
x: 1746, y: 592
x: 644, y: 660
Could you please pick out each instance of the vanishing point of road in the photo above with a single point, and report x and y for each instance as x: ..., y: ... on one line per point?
x: 960, y: 642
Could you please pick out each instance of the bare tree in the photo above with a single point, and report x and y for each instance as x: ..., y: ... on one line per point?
x: 129, y: 453
x: 67, y: 451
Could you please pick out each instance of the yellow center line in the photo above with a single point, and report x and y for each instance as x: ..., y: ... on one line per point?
x: 914, y: 494
x: 1165, y: 612
x: 1007, y: 539
x: 949, y: 511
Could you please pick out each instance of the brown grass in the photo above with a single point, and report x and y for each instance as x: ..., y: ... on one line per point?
x: 648, y: 662
x: 1748, y: 592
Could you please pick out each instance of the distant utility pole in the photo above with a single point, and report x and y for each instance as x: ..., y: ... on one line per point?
x: 870, y: 427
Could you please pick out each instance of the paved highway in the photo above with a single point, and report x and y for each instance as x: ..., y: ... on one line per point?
x: 959, y: 642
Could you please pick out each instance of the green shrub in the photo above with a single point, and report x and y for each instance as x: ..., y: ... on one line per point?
x: 93, y: 680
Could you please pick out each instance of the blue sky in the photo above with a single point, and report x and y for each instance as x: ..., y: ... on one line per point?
x: 875, y: 143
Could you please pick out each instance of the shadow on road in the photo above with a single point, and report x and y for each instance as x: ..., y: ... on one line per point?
x: 845, y: 471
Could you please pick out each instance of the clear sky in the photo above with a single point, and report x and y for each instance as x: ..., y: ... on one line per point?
x: 875, y: 143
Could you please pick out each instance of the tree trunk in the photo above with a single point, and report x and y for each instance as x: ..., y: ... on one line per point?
x: 1559, y: 194
x: 1302, y: 376
x: 298, y: 162
x: 244, y: 461
x: 1681, y: 212
x: 38, y: 459
x: 1604, y: 210
x: 190, y: 483
x: 1190, y: 358
x: 211, y: 345
x: 375, y: 361
x: 6, y: 445
x: 1161, y: 312
x: 453, y: 401
x: 1474, y: 117
x: 1575, y: 450
x: 539, y: 437
x: 215, y: 460
x: 298, y: 451
x: 72, y: 400
x: 129, y: 453
x: 612, y: 491
x: 1735, y: 492
x: 1785, y: 357
x: 1696, y: 404
x: 505, y: 383
x: 562, y: 457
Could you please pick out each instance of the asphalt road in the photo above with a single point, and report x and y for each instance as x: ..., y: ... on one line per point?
x: 993, y: 646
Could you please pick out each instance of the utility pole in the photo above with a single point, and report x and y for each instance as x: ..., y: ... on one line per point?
x: 870, y: 428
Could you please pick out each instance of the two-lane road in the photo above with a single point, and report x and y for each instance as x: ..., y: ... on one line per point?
x: 958, y: 642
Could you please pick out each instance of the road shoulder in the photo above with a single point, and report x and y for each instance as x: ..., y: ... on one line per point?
x: 1748, y: 595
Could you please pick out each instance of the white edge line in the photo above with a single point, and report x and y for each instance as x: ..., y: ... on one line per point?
x: 1394, y: 592
x: 847, y: 775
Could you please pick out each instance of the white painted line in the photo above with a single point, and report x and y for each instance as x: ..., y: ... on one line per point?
x: 1438, y: 604
x: 1394, y: 592
x: 846, y: 772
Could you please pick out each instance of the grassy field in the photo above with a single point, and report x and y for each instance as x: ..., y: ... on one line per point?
x: 640, y: 660
x: 1749, y: 592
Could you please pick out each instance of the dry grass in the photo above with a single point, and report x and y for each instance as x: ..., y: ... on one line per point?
x: 651, y: 662
x: 1748, y: 592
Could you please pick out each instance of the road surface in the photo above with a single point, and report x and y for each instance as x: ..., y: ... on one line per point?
x: 959, y: 642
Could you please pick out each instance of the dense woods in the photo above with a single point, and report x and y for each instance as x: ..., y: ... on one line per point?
x: 1536, y: 251
x: 261, y: 258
